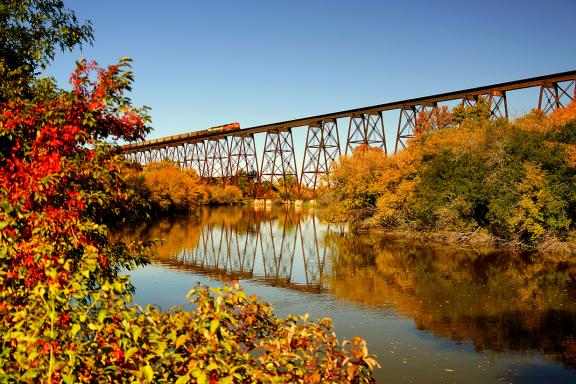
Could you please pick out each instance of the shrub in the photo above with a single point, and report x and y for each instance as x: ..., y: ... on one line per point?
x: 172, y: 189
x: 225, y: 195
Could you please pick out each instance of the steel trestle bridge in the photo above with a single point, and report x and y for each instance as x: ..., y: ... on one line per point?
x: 223, y: 153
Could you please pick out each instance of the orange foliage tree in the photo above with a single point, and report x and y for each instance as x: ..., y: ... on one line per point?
x: 171, y: 188
x: 353, y: 193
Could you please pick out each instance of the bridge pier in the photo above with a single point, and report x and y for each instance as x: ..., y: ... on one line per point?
x: 198, y: 158
x: 243, y: 158
x: 217, y: 156
x: 498, y: 104
x: 278, y: 160
x: 322, y: 148
x: 366, y: 129
x: 554, y: 95
x: 405, y: 131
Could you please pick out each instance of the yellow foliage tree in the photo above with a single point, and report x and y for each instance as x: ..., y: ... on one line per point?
x: 538, y: 208
x: 172, y: 188
x: 352, y: 197
x: 226, y: 195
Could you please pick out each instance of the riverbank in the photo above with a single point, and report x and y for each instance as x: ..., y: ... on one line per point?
x: 479, y: 240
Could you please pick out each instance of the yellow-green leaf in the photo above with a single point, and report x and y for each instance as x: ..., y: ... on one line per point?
x: 75, y: 329
x: 214, y: 324
x: 148, y: 372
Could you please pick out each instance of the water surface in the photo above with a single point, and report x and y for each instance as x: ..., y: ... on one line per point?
x: 430, y: 315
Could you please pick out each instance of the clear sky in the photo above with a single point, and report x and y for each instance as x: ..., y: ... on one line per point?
x: 204, y: 63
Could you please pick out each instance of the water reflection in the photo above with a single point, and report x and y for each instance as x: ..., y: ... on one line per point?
x: 499, y: 302
x: 280, y: 247
x: 495, y: 306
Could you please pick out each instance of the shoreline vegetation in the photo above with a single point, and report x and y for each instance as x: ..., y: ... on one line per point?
x: 469, y: 180
x: 163, y: 188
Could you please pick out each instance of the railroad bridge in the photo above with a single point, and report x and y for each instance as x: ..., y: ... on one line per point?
x: 223, y: 153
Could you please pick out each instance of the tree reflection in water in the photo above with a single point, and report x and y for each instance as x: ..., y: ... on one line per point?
x: 497, y: 301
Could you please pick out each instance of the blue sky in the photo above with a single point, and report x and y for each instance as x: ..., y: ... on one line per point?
x: 204, y: 63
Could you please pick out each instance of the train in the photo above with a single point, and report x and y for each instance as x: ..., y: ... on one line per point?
x: 205, y: 133
x: 224, y: 128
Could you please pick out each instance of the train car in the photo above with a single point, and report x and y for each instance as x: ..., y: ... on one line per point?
x: 224, y: 128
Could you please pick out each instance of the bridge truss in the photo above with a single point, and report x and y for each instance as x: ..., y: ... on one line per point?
x: 226, y: 155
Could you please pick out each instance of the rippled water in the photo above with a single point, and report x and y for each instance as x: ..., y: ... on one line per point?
x: 430, y: 315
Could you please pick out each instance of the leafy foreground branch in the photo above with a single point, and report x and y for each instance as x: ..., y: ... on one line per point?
x: 65, y: 311
x: 228, y: 338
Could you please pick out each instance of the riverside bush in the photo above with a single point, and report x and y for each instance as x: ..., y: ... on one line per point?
x: 65, y: 310
x: 169, y: 189
x: 172, y: 189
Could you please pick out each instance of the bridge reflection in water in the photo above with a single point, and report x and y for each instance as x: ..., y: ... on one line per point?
x: 281, y: 249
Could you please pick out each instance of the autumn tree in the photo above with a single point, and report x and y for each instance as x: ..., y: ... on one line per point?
x: 352, y: 196
x: 430, y: 121
x: 172, y: 189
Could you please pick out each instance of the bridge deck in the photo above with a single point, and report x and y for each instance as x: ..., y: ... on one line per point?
x: 426, y: 100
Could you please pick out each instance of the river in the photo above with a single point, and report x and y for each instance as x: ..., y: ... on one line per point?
x: 430, y: 315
